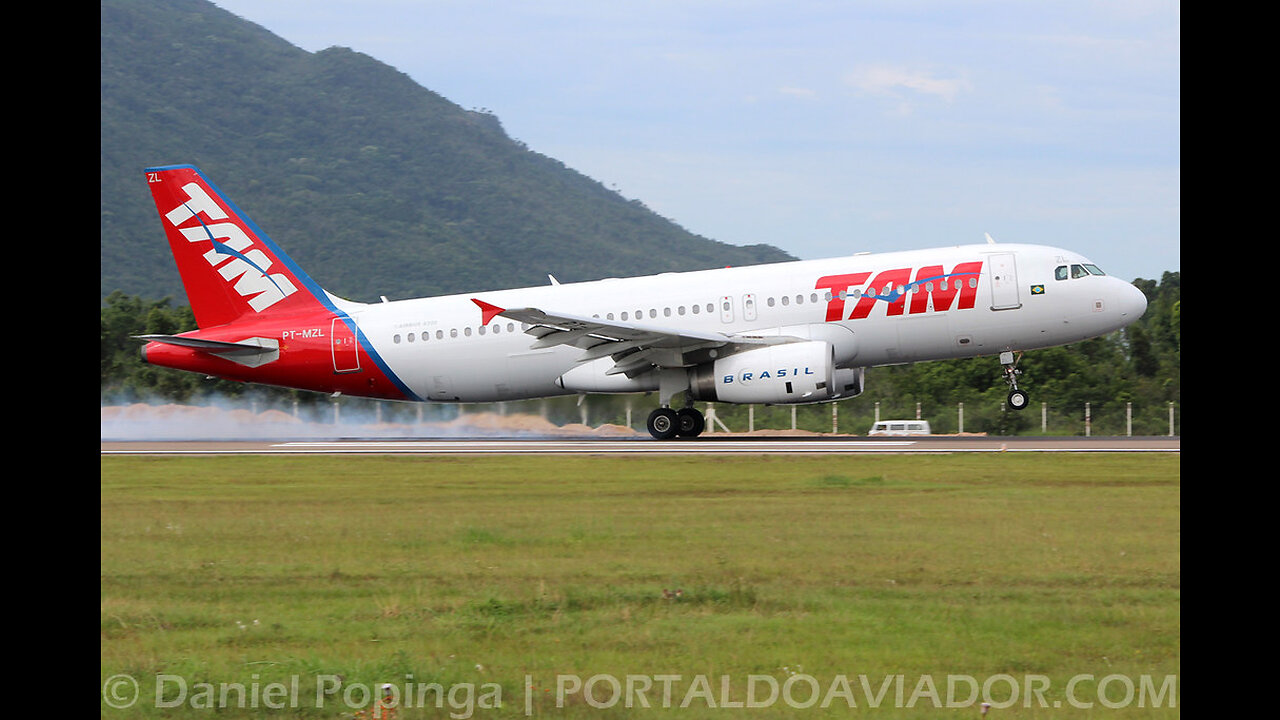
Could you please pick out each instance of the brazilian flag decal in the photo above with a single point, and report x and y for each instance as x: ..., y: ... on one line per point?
x: 1037, y: 289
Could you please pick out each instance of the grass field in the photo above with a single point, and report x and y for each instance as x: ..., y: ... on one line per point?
x: 294, y: 585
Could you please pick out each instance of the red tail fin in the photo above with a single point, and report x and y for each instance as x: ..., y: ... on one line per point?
x: 229, y: 267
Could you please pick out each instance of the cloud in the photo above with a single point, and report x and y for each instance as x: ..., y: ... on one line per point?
x: 881, y: 79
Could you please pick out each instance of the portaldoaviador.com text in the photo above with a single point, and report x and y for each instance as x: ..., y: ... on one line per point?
x: 602, y: 691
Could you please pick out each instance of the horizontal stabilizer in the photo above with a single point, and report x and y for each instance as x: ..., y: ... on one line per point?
x: 217, y: 346
x: 251, y: 351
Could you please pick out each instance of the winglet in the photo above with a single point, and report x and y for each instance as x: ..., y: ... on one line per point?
x: 487, y: 311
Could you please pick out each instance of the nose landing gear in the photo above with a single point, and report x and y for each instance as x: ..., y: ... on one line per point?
x: 1018, y: 399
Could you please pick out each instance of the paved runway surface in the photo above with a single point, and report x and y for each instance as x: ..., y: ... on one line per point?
x: 705, y: 445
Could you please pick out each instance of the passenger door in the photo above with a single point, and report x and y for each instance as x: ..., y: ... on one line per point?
x: 1004, y: 282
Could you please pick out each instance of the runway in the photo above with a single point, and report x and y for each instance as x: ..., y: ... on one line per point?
x: 737, y: 445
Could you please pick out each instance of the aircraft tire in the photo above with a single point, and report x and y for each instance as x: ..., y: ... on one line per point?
x: 689, y: 422
x: 663, y: 424
x: 1018, y: 400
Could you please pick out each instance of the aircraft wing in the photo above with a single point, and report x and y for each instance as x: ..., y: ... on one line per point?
x: 635, y: 347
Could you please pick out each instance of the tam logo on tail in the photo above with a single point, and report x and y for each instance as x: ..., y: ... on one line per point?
x: 233, y: 254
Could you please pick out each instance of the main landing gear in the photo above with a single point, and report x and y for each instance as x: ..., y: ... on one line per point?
x: 1018, y: 399
x: 665, y: 423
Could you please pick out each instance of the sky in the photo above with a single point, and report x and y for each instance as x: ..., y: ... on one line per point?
x: 822, y: 127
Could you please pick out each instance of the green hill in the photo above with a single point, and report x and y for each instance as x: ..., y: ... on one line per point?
x: 374, y: 184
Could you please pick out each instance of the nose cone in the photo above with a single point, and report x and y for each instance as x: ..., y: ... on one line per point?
x: 1132, y: 303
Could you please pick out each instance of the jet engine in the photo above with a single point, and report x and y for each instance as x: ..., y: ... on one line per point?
x: 787, y: 374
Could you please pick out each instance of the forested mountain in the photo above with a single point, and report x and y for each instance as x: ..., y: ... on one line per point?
x: 374, y: 184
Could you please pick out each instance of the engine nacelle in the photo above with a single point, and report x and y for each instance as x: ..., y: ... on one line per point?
x: 849, y: 382
x: 775, y: 374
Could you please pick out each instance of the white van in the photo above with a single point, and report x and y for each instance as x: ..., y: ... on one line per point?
x: 901, y: 427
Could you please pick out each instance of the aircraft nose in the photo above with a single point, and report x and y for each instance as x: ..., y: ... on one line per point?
x: 1132, y: 302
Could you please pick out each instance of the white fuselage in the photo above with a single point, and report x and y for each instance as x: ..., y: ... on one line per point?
x: 875, y: 309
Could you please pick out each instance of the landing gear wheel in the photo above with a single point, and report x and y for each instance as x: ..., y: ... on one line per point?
x: 689, y: 422
x: 662, y: 424
x: 1018, y: 399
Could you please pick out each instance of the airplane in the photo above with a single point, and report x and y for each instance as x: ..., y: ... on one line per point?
x: 795, y: 332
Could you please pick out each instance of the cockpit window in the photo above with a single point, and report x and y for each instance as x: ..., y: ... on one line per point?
x: 1077, y: 271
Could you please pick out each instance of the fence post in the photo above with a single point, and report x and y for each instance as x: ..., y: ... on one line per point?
x: 961, y: 413
x: 835, y: 424
x: 1171, y: 418
x: 751, y: 418
x: 1044, y: 417
x: 1088, y: 420
x: 1128, y: 419
x: 713, y: 420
